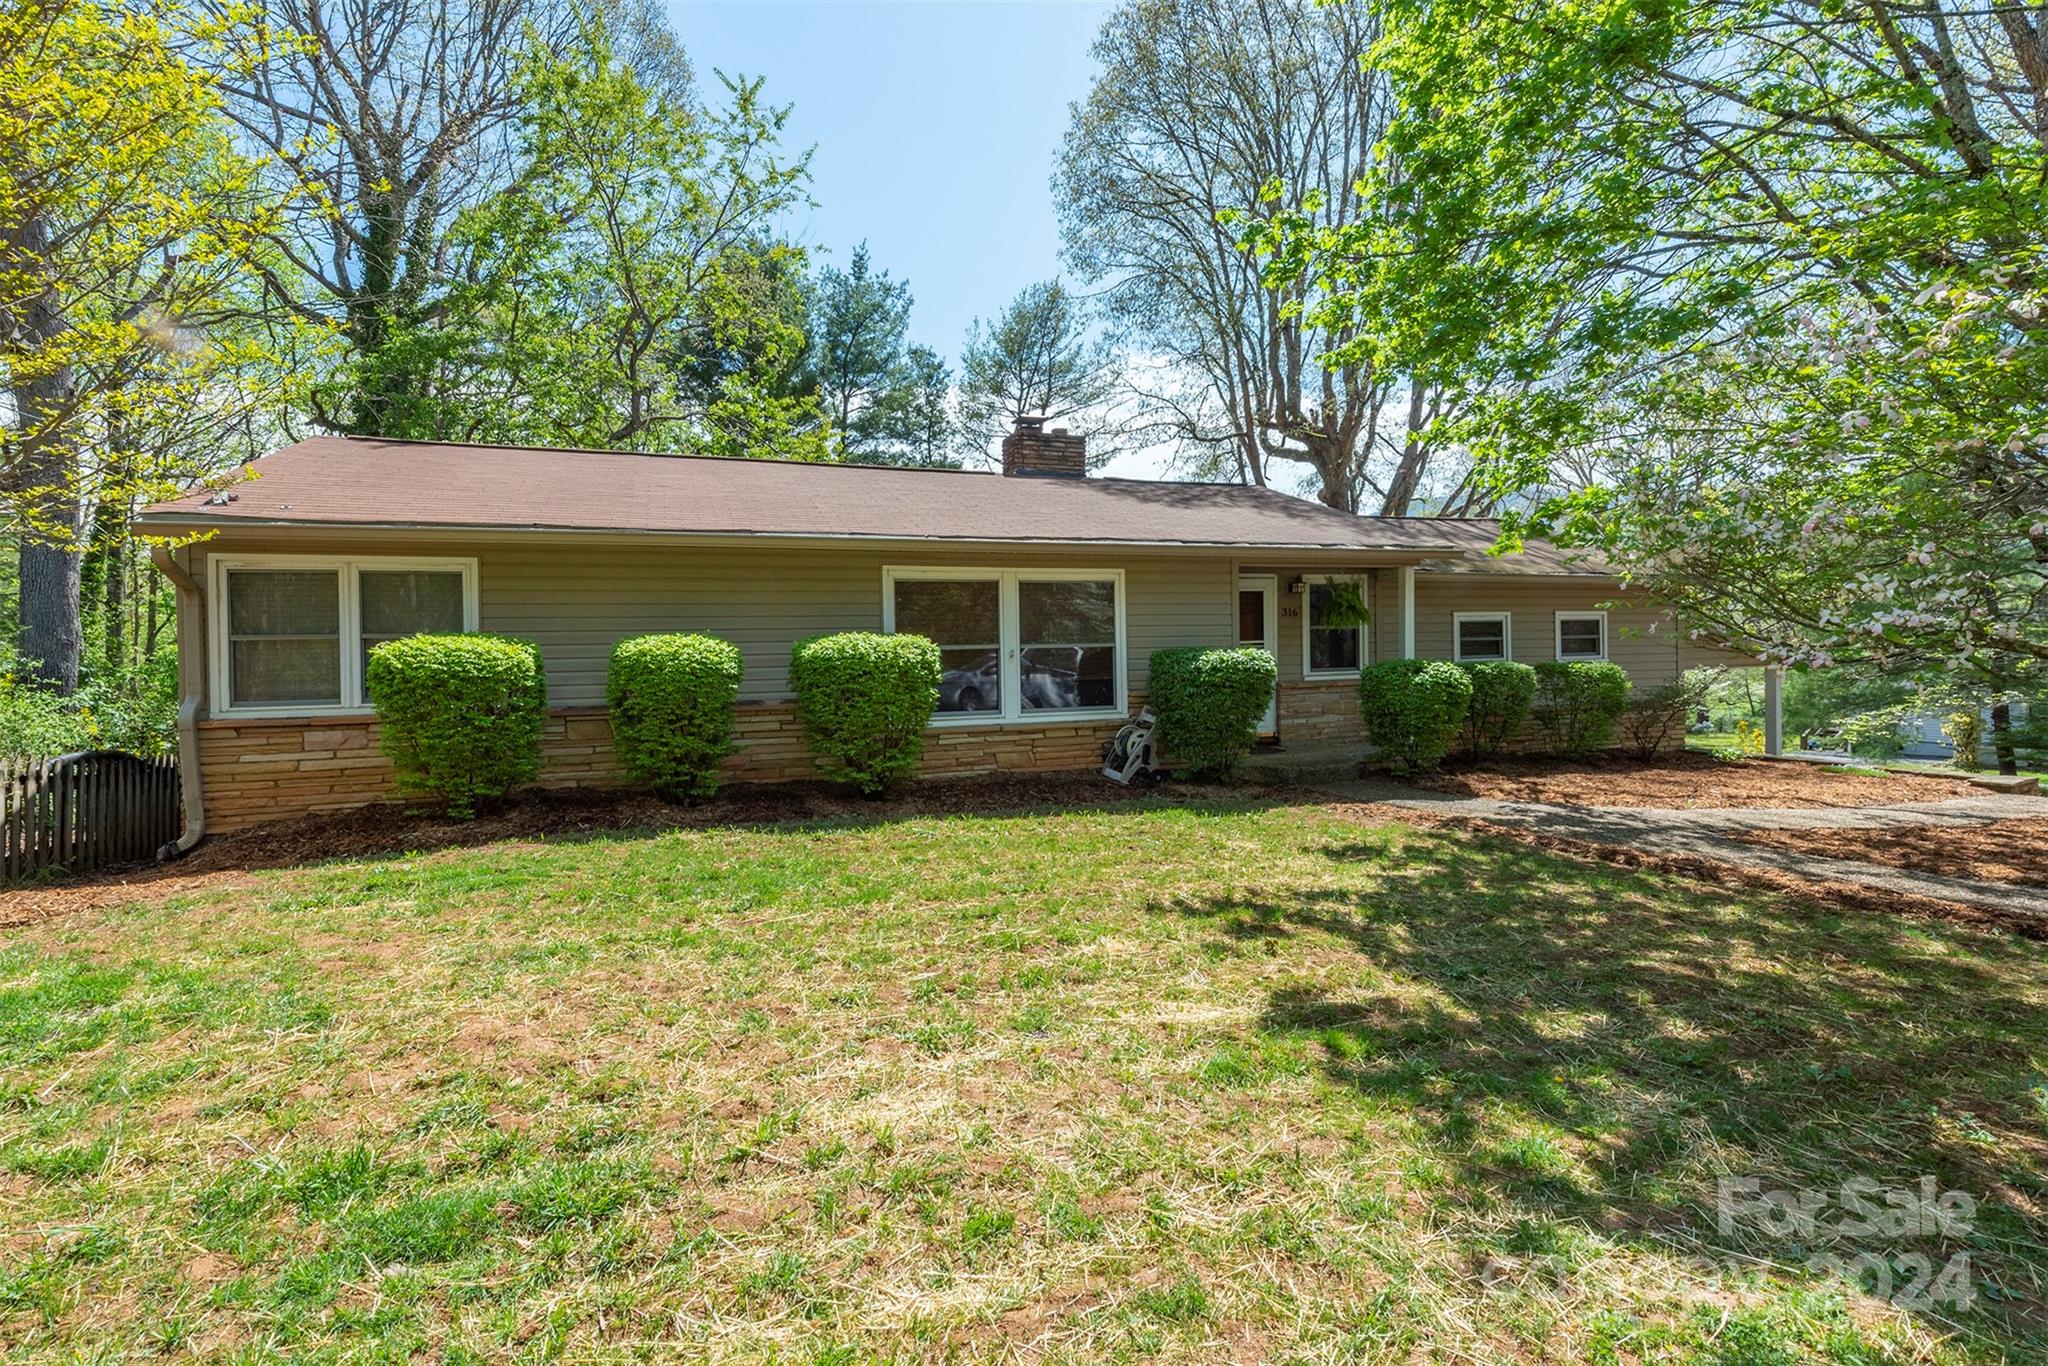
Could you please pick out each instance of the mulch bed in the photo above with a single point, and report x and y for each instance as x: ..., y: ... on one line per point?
x: 1687, y: 781
x: 1833, y: 895
x: 2014, y: 851
x: 377, y: 831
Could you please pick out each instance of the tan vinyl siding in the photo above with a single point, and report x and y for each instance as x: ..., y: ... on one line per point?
x: 577, y: 601
x: 1650, y: 656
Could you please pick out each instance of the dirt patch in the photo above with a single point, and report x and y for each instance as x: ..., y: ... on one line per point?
x: 2014, y: 851
x: 1685, y: 781
x: 577, y: 813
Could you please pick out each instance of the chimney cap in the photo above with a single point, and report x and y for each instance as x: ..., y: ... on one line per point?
x: 1030, y: 422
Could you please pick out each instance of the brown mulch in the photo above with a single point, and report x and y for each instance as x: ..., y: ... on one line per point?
x: 1684, y: 781
x: 2014, y: 851
x: 1833, y: 895
x: 574, y: 813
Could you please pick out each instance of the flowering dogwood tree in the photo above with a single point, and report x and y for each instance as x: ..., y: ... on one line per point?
x: 1751, y: 294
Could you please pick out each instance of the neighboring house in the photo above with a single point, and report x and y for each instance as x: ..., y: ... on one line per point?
x: 1924, y: 735
x: 1047, y: 592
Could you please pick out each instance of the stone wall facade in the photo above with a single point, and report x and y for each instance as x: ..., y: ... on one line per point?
x: 258, y: 769
x: 1321, y: 713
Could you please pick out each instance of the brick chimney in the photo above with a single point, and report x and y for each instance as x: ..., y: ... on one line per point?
x: 1033, y: 451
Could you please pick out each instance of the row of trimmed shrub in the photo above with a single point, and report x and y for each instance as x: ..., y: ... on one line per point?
x: 1418, y: 711
x: 463, y: 714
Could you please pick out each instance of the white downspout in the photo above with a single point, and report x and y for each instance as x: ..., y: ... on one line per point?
x: 189, y: 696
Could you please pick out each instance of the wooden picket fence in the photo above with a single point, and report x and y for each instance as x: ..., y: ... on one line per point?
x: 78, y: 812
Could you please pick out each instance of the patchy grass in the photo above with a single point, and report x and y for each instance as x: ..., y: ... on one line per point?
x: 1182, y: 1083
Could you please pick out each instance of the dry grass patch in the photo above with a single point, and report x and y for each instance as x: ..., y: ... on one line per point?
x: 1165, y: 1082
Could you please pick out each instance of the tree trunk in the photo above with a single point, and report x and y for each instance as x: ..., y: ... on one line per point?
x: 2001, y: 739
x: 45, y: 473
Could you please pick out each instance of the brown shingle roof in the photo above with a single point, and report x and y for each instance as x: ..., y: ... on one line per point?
x: 369, y: 482
x: 352, y: 481
x: 1474, y: 536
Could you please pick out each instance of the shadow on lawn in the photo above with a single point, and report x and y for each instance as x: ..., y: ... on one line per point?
x: 576, y: 814
x: 1594, y: 1049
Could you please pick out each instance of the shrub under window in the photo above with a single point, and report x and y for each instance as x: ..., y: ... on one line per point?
x: 1209, y: 703
x: 1413, y: 709
x: 462, y: 714
x: 672, y: 699
x: 1502, y: 692
x: 865, y: 700
x: 1577, y: 705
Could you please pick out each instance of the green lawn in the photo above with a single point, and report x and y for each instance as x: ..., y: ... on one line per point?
x: 1153, y: 1082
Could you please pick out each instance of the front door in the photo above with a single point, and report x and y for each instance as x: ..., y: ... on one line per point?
x: 1258, y: 623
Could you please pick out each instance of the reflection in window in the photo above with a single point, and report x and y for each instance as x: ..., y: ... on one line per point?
x: 1067, y: 628
x: 963, y: 617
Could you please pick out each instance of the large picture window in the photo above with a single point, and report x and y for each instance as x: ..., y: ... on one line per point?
x: 1014, y: 643
x: 1333, y: 623
x: 293, y: 634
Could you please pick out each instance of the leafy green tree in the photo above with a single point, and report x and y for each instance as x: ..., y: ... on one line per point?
x: 1038, y: 356
x: 128, y: 229
x: 1200, y: 110
x: 1752, y: 295
x: 915, y: 413
x: 855, y: 357
x: 628, y: 290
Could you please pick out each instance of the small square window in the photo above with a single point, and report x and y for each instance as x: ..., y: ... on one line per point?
x: 1480, y: 636
x: 1581, y: 635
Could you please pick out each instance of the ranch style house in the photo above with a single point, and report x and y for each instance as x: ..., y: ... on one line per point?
x: 1045, y: 589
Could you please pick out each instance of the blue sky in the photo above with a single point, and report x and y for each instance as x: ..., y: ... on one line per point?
x: 935, y: 127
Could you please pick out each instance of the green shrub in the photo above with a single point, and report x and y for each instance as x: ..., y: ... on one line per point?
x: 1413, y: 708
x: 672, y: 699
x: 1501, y: 693
x: 865, y: 700
x: 462, y: 714
x: 1209, y: 703
x: 135, y: 709
x: 1577, y: 705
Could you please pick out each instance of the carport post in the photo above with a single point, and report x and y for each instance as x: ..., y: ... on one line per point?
x: 1407, y: 611
x: 1774, y: 710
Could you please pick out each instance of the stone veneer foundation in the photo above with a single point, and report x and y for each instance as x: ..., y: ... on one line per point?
x: 257, y: 769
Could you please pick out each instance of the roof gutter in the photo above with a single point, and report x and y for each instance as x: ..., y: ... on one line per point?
x: 189, y: 701
x: 167, y: 522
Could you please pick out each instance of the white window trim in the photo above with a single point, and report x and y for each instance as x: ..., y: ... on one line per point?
x: 1364, y: 631
x: 1507, y: 634
x: 1557, y: 637
x: 1010, y: 629
x: 349, y: 567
